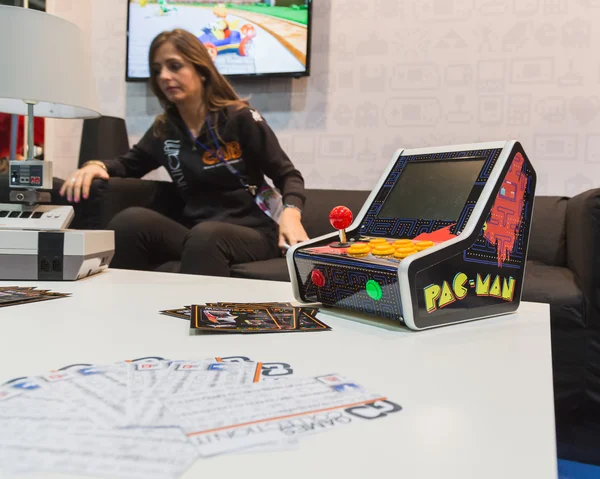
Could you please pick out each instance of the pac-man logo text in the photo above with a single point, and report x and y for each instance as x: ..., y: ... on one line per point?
x: 439, y: 296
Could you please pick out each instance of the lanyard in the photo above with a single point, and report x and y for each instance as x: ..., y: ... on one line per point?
x: 250, y: 188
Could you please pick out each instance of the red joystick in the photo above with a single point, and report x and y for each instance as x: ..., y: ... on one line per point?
x: 340, y: 218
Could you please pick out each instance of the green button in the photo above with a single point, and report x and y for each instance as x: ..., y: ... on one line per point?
x: 374, y: 290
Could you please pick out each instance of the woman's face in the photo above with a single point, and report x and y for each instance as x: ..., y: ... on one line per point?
x: 177, y: 78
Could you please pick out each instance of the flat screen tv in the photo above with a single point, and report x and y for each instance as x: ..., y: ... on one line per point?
x: 244, y: 37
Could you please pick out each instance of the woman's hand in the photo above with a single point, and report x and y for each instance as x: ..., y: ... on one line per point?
x: 79, y: 182
x: 291, y: 230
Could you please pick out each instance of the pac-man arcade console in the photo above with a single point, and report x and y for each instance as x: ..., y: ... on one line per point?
x: 441, y: 239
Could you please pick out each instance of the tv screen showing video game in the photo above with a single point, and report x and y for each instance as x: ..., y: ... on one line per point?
x: 244, y: 37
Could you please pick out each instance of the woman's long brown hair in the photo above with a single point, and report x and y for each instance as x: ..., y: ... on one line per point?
x: 218, y: 93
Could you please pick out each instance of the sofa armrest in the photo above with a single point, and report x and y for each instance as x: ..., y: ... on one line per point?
x: 583, y: 248
x: 109, y: 197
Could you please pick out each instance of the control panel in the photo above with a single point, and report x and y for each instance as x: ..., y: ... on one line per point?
x: 357, y: 272
x: 31, y: 174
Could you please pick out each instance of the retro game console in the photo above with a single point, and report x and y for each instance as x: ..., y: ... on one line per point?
x: 35, y: 242
x: 442, y: 239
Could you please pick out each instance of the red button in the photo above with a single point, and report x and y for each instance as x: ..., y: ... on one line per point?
x: 317, y: 278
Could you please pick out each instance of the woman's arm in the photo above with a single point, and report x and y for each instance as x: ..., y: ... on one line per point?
x: 138, y: 161
x: 259, y: 142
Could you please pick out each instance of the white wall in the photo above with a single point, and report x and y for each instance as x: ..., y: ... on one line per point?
x: 61, y: 137
x: 105, y: 22
x: 403, y: 73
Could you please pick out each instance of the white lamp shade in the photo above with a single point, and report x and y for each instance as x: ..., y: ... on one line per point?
x: 46, y: 60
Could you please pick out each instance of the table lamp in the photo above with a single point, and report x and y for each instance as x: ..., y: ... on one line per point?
x: 46, y: 72
x: 103, y: 138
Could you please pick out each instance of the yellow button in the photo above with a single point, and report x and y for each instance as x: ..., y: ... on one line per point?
x: 359, y: 249
x: 383, y: 250
x: 404, y: 251
x: 421, y: 245
x: 403, y: 242
x: 378, y: 241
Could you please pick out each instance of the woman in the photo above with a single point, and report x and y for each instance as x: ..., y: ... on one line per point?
x: 217, y: 151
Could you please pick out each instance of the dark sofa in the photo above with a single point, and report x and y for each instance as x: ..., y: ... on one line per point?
x: 108, y: 198
x: 563, y: 269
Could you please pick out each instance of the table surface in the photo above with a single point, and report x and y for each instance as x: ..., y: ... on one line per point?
x: 477, y: 397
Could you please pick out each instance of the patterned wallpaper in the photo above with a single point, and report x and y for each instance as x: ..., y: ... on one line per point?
x: 403, y: 73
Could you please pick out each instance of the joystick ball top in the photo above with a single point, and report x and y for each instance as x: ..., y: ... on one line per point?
x: 340, y: 217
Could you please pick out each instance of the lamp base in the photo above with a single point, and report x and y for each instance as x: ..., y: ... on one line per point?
x: 30, y: 197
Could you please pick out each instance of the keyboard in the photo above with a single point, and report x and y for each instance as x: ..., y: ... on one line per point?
x: 38, y: 217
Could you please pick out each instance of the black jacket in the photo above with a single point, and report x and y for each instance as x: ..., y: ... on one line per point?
x: 209, y: 189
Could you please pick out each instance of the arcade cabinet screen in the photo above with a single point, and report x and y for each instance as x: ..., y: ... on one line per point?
x: 435, y: 190
x: 243, y: 37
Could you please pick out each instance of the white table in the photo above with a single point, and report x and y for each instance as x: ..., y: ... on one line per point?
x: 477, y: 398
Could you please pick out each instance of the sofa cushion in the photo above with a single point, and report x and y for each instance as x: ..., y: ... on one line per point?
x: 169, y: 267
x: 583, y: 257
x: 557, y: 286
x: 547, y: 240
x: 274, y: 269
x: 319, y: 203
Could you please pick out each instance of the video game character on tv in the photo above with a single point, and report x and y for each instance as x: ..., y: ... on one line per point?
x: 223, y: 36
x: 221, y: 28
x: 164, y: 7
